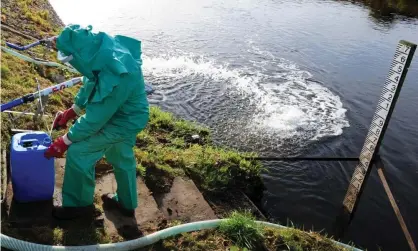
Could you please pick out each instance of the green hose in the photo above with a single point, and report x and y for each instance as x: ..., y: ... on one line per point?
x: 29, y: 59
x: 15, y: 244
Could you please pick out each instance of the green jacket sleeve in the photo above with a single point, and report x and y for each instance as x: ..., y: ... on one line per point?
x: 98, y: 114
x: 80, y: 99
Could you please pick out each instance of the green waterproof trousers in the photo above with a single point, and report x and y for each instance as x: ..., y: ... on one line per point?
x: 79, y: 178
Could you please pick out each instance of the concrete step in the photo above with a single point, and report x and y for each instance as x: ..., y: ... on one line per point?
x: 148, y: 218
x: 184, y: 202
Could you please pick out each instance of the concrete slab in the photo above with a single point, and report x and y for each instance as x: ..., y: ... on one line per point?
x: 147, y: 215
x: 185, y: 202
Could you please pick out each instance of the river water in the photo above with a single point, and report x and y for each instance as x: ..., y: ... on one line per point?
x: 283, y: 78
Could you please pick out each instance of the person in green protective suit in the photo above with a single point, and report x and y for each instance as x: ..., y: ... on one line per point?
x: 112, y: 108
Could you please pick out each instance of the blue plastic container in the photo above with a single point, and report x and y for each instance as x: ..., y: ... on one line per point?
x: 33, y: 175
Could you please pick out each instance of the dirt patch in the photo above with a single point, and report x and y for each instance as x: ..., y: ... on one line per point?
x: 184, y: 202
x: 103, y: 168
x: 158, y: 180
x: 223, y: 204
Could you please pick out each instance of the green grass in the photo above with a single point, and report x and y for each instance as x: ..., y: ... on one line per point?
x: 57, y: 234
x: 141, y: 170
x: 298, y: 240
x: 4, y: 72
x: 31, y: 16
x: 242, y: 229
x: 195, y: 241
x: 38, y: 17
x: 167, y: 123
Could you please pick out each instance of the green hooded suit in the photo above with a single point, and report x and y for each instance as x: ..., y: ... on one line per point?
x: 116, y: 109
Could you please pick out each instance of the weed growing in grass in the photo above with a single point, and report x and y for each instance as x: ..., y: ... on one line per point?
x: 141, y: 170
x: 298, y: 240
x: 57, y: 235
x: 195, y: 241
x: 4, y: 72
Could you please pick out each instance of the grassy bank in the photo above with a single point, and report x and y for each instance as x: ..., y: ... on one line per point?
x: 167, y: 148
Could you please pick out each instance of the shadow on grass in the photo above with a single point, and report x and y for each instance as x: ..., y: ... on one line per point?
x: 126, y: 227
x: 33, y: 222
x: 81, y: 233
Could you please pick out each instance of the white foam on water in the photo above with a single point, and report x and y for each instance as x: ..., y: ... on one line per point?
x: 285, y: 102
x: 180, y: 67
x: 301, y: 108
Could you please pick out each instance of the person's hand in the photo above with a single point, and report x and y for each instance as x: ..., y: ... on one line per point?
x: 58, y: 148
x: 62, y: 118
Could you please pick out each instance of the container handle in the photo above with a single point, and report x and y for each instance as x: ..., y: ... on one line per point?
x: 26, y: 143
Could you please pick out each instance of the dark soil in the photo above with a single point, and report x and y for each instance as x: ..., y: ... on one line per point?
x: 158, y: 180
x: 223, y: 204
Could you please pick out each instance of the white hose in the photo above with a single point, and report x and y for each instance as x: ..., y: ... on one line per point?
x: 52, y: 126
x: 15, y: 244
x: 29, y: 59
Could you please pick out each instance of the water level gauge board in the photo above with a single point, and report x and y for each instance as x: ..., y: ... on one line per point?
x: 399, y: 67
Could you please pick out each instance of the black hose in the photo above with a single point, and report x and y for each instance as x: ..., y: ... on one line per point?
x: 303, y: 158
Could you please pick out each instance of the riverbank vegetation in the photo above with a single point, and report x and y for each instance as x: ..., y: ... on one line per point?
x: 241, y: 233
x: 384, y: 9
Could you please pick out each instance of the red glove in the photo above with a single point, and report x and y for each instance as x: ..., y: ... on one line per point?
x: 62, y: 118
x: 58, y: 148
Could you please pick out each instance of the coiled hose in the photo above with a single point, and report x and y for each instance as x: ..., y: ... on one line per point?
x: 15, y: 244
